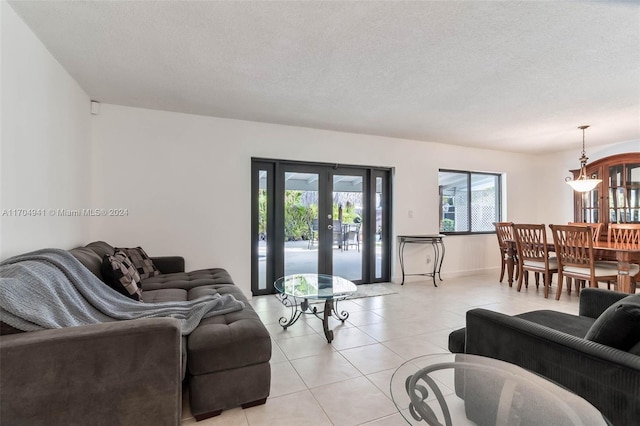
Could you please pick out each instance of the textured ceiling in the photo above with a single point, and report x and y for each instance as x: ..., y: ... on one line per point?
x: 518, y: 76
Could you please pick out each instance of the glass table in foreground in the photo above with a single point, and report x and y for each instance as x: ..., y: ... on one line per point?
x: 327, y: 288
x: 460, y: 389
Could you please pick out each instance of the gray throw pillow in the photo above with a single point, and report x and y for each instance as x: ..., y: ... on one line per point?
x: 619, y: 324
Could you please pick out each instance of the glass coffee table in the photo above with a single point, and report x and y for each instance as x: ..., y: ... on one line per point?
x: 305, y: 287
x: 459, y: 389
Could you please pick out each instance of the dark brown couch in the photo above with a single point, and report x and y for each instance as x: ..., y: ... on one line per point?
x: 131, y: 372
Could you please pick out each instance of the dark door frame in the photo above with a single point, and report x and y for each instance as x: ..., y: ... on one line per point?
x: 275, y: 240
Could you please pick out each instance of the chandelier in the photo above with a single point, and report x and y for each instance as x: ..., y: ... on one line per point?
x: 583, y: 183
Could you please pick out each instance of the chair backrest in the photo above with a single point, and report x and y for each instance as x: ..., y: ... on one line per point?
x: 597, y: 227
x: 531, y: 242
x: 574, y: 245
x: 628, y: 233
x: 504, y: 231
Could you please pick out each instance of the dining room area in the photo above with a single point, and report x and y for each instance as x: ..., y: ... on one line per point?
x: 599, y: 248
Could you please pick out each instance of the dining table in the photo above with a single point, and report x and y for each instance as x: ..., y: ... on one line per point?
x: 623, y: 253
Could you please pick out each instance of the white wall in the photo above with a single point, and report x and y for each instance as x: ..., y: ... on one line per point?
x: 44, y: 153
x: 185, y: 180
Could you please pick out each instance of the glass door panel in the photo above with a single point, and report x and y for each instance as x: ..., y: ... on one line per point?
x: 380, y: 219
x: 300, y: 229
x: 617, y: 195
x: 348, y: 204
x: 262, y: 196
x: 633, y: 192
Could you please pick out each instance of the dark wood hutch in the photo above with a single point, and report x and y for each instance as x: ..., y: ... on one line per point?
x: 617, y: 198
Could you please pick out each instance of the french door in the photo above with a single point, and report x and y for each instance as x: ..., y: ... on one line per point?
x: 319, y: 218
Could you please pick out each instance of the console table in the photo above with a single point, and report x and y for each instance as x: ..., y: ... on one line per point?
x: 435, y: 240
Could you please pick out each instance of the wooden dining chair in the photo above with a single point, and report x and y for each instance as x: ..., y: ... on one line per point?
x: 504, y: 232
x: 533, y: 254
x: 597, y: 228
x: 626, y: 233
x: 574, y: 252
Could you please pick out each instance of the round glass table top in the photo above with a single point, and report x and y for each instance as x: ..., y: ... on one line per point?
x: 314, y: 286
x: 460, y: 389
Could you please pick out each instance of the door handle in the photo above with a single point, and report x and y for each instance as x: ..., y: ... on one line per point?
x: 329, y: 227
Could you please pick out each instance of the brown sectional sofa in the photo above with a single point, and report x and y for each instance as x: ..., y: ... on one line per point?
x: 131, y: 372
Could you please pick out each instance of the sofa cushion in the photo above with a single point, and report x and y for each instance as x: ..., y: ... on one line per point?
x: 230, y: 341
x: 101, y: 248
x: 141, y: 261
x: 574, y: 325
x: 619, y: 324
x: 165, y: 295
x: 90, y: 259
x: 121, y: 275
x: 188, y: 280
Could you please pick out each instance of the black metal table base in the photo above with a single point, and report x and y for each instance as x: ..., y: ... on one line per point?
x: 438, y: 253
x: 330, y: 309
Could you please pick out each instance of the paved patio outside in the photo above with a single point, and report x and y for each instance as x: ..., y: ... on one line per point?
x: 299, y: 259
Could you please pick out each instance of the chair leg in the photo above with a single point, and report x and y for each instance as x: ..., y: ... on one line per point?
x: 502, y: 269
x: 559, y: 290
x: 547, y: 284
x: 520, y: 282
x: 537, y: 280
x: 526, y: 278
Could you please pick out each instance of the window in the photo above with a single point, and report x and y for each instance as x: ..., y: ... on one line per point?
x: 469, y: 201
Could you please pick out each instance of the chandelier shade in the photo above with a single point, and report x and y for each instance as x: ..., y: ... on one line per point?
x: 583, y: 183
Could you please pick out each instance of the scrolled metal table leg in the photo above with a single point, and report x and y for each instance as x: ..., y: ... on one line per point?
x: 295, y: 312
x: 441, y: 244
x: 401, y: 253
x: 342, y: 316
x: 328, y: 307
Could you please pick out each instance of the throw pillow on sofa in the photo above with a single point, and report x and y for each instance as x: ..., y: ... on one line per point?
x: 619, y: 324
x: 141, y: 261
x: 120, y: 274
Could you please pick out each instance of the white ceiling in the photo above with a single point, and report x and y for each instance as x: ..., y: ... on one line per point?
x: 518, y: 76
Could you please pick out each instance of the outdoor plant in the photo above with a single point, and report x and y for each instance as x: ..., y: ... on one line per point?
x: 262, y: 212
x: 297, y: 217
x: 448, y: 225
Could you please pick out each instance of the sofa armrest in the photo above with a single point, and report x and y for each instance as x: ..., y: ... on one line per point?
x: 608, y: 378
x: 125, y: 372
x: 594, y: 301
x: 169, y: 264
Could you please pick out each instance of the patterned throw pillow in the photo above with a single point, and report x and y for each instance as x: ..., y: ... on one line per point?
x: 120, y: 274
x: 141, y: 261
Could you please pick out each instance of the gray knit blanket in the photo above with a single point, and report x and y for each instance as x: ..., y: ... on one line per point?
x: 50, y: 288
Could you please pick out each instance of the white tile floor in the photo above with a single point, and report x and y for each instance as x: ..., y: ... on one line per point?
x: 347, y: 382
